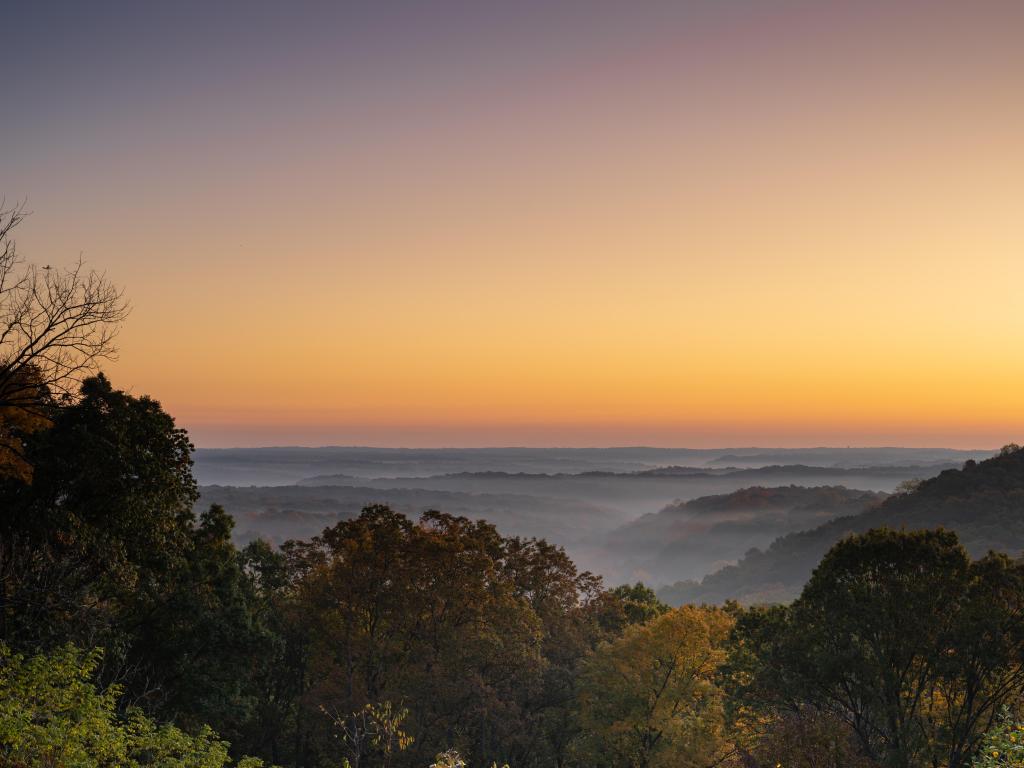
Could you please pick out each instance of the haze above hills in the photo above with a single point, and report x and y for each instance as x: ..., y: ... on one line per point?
x: 287, y: 465
x: 656, y: 514
x: 983, y: 503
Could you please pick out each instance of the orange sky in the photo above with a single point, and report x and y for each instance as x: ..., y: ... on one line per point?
x: 715, y: 224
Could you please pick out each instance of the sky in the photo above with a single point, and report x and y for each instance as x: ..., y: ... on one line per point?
x: 688, y: 223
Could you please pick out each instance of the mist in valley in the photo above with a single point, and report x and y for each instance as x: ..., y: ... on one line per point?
x: 653, y: 514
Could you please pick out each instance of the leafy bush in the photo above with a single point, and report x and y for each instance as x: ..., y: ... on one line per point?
x: 452, y: 759
x: 52, y: 716
x: 1003, y: 746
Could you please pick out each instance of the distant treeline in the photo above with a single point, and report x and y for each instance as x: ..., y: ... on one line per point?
x: 134, y: 632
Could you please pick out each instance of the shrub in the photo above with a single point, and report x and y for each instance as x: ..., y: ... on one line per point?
x: 52, y: 716
x: 1003, y: 746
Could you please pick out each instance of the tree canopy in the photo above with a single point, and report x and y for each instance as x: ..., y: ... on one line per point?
x: 900, y: 636
x: 133, y: 631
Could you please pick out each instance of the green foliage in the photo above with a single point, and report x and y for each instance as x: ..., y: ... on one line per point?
x: 202, y: 640
x: 649, y: 698
x: 107, y: 515
x: 52, y: 715
x: 639, y: 603
x: 901, y: 635
x: 480, y: 632
x: 103, y: 548
x: 1003, y: 745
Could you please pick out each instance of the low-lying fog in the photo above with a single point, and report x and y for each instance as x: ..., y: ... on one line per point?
x: 626, y: 513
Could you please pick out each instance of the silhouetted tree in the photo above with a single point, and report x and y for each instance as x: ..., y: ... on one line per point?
x: 899, y: 635
x: 108, y: 517
x: 56, y: 325
x: 196, y: 650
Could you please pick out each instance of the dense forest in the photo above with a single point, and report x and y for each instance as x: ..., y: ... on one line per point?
x: 135, y: 632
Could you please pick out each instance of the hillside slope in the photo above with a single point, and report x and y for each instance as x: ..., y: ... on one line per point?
x: 983, y: 503
x: 688, y: 539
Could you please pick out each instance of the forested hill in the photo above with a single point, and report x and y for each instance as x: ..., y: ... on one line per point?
x: 983, y: 503
x: 689, y: 539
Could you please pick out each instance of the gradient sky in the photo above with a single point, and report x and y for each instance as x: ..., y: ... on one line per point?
x: 668, y: 223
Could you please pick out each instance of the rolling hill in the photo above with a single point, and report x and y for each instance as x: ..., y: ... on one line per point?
x: 983, y: 502
x: 688, y: 539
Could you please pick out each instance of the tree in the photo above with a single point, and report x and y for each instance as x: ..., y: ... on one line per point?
x: 873, y: 619
x: 103, y: 549
x: 899, y: 635
x: 280, y: 671
x: 60, y: 323
x: 640, y: 603
x: 806, y: 738
x: 56, y: 326
x: 107, y: 518
x: 982, y: 668
x: 649, y: 698
x: 18, y: 421
x: 421, y: 613
x: 197, y: 649
x: 478, y: 635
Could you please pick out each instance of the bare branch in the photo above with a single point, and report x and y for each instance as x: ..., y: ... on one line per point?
x: 57, y: 325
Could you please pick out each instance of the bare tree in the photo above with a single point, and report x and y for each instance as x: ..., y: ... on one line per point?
x: 56, y: 324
